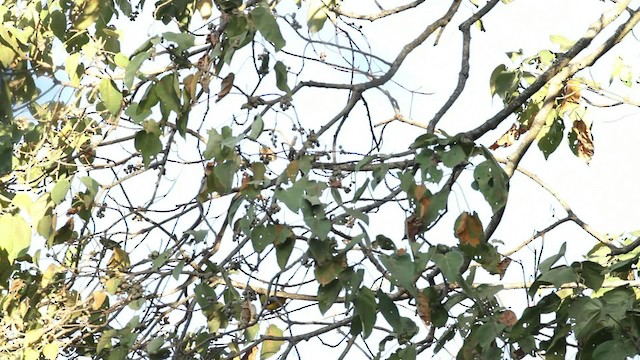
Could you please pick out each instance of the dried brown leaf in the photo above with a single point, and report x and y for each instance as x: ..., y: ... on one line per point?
x: 508, y: 318
x: 424, y: 308
x: 584, y: 140
x: 226, y: 86
x: 469, y: 229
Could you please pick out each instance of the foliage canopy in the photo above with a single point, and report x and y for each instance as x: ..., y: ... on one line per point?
x: 208, y: 179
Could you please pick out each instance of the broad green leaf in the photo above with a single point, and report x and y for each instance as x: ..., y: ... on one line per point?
x: 148, y: 144
x: 183, y: 40
x: 59, y: 191
x: 450, y: 264
x: 154, y: 345
x: 6, y: 112
x: 71, y: 67
x: 548, y: 263
x: 401, y: 268
x: 268, y: 27
x: 564, y: 43
x: 317, y: 15
x: 91, y: 184
x: 111, y: 96
x: 88, y: 13
x: 389, y: 310
x: 328, y: 294
x: 366, y: 309
x: 283, y: 252
x: 262, y: 236
x: 271, y: 347
x: 281, y: 77
x: 327, y: 272
x: 492, y: 181
x: 134, y: 66
x: 166, y: 90
x: 58, y: 24
x: 18, y: 243
x: 256, y: 127
x: 551, y: 135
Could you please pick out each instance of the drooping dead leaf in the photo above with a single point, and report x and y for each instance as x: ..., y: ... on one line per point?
x: 414, y: 226
x: 248, y: 312
x: 509, y: 137
x: 190, y: 84
x: 335, y: 183
x: 226, y: 86
x: 468, y: 229
x: 502, y: 266
x: 267, y: 154
x: 508, y: 318
x: 424, y: 308
x: 583, y: 140
x: 421, y: 195
x: 571, y: 92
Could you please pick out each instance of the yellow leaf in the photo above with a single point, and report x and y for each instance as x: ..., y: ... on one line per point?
x: 271, y: 347
x: 205, y: 8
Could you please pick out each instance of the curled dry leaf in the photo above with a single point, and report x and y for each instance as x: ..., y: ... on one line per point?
x: 508, y: 318
x: 469, y: 229
x: 226, y: 86
x: 502, y: 266
x: 414, y: 225
x: 267, y: 154
x: 583, y: 140
x: 424, y: 308
x: 571, y: 92
x: 509, y: 137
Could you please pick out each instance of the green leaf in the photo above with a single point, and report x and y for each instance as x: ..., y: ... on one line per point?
x: 91, y: 184
x: 564, y: 43
x: 71, y: 67
x: 183, y: 40
x: 18, y: 243
x: 166, y: 90
x: 148, y: 144
x: 548, y: 263
x: 268, y: 26
x: 271, y: 347
x: 6, y: 112
x: 551, y: 136
x: 329, y: 271
x: 401, y: 268
x: 59, y: 191
x: 283, y: 252
x: 256, y: 127
x: 261, y: 237
x: 328, y: 294
x: 134, y: 66
x: 281, y: 77
x: 317, y: 15
x: 615, y: 349
x: 454, y: 156
x: 450, y: 264
x: 58, y: 24
x: 492, y: 181
x: 365, y: 306
x: 154, y: 345
x: 111, y: 96
x: 389, y: 310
